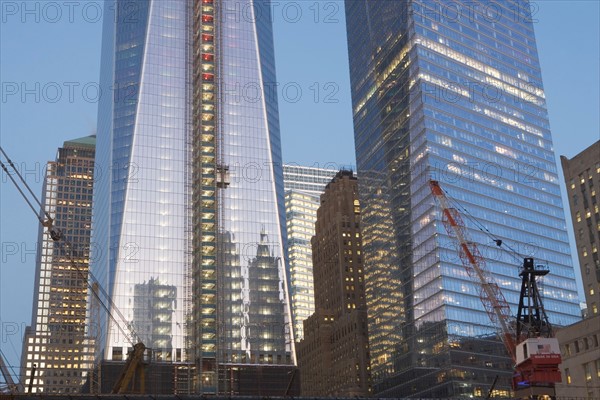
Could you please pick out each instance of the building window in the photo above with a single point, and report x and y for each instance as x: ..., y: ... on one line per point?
x: 598, y: 368
x: 567, y: 376
x: 587, y: 368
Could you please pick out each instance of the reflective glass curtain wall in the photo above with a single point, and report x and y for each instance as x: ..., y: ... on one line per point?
x: 252, y: 213
x: 303, y: 189
x: 451, y: 92
x: 141, y: 211
x: 189, y: 218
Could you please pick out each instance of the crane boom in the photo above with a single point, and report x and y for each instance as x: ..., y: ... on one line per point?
x: 23, y: 187
x: 492, y: 298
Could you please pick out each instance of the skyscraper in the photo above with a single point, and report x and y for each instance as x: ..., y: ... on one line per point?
x: 142, y: 211
x: 57, y: 348
x: 333, y: 357
x: 191, y: 213
x: 451, y: 92
x: 582, y: 177
x: 303, y: 189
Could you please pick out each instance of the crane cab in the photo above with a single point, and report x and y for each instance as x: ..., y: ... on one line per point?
x: 539, y: 351
x: 537, y: 365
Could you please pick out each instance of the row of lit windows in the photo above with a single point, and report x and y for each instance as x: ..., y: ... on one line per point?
x: 582, y: 177
x: 584, y: 250
x: 587, y: 370
x: 302, y: 206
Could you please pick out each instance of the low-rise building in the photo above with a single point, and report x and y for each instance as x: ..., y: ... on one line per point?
x: 580, y: 367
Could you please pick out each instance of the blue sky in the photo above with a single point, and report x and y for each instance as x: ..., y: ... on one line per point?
x: 51, y: 52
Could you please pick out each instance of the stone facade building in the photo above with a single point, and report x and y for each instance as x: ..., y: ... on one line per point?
x: 582, y: 177
x: 333, y: 357
x: 580, y: 365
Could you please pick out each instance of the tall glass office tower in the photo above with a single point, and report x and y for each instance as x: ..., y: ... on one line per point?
x: 450, y: 91
x: 303, y: 189
x: 142, y: 212
x: 189, y: 219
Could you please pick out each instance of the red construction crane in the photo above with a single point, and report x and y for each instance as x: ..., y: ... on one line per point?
x: 534, y: 351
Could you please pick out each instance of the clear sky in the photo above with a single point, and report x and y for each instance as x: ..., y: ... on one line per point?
x: 50, y: 57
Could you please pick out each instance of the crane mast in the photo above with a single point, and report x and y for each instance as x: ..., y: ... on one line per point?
x: 538, y: 352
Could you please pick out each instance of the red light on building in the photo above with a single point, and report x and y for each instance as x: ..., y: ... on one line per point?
x: 208, y: 77
x: 207, y: 38
x: 208, y: 57
x: 207, y: 18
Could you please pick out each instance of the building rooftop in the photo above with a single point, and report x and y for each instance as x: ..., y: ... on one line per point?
x: 86, y: 141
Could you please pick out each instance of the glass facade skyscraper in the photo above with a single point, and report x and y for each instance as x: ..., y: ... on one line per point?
x: 452, y: 92
x: 142, y: 210
x: 303, y: 189
x: 190, y: 218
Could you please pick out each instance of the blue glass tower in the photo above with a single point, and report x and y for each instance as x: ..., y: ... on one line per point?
x: 452, y: 92
x: 189, y: 221
x: 141, y: 212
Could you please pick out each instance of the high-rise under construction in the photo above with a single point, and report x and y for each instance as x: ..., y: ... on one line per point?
x: 189, y: 219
